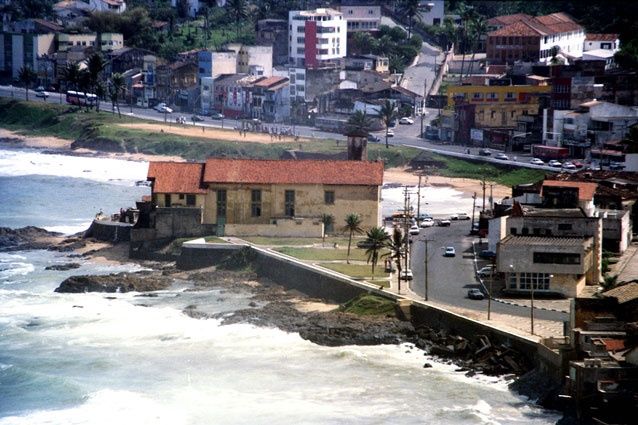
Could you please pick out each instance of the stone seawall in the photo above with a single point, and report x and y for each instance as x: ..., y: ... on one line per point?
x: 110, y: 231
x: 320, y: 283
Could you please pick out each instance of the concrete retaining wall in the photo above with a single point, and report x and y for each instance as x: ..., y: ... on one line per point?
x: 111, y: 231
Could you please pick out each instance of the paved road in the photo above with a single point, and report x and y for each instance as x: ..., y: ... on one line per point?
x: 449, y: 278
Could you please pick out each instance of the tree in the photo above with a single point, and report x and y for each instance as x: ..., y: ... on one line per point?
x: 376, y: 239
x: 388, y: 113
x: 359, y: 123
x: 115, y: 89
x: 409, y: 9
x: 84, y: 84
x: 467, y: 15
x: 396, y: 244
x: 478, y: 27
x: 71, y: 75
x: 95, y: 65
x: 353, y: 225
x: 237, y: 11
x: 327, y: 220
x: 26, y: 77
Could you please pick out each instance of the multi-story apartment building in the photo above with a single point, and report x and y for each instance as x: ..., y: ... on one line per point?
x: 18, y: 50
x: 526, y: 38
x: 256, y: 60
x: 103, y: 42
x: 274, y: 32
x: 212, y: 64
x: 317, y: 38
x: 361, y: 17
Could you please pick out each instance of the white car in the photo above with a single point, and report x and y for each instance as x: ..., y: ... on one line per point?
x: 569, y: 166
x: 406, y: 120
x: 450, y: 252
x: 390, y: 133
x: 487, y: 271
x: 41, y: 94
x: 165, y: 109
x: 536, y: 161
x: 414, y: 230
x: 427, y: 222
x: 160, y: 106
x: 501, y: 156
x: 554, y: 163
x: 407, y: 274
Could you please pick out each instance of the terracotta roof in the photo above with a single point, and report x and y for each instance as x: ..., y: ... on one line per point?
x: 543, y: 240
x: 176, y: 177
x: 586, y: 190
x: 258, y: 171
x: 508, y: 19
x: 48, y: 24
x: 613, y: 345
x: 624, y: 293
x: 517, y: 29
x: 601, y: 37
x: 270, y: 81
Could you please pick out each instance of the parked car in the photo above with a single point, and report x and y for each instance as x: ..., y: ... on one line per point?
x: 475, y: 294
x: 537, y: 161
x: 449, y: 252
x: 41, y: 94
x: 487, y: 271
x: 390, y: 133
x: 407, y: 274
x: 160, y: 106
x: 443, y: 223
x: 217, y: 116
x: 618, y: 166
x: 487, y: 254
x: 459, y: 216
x: 165, y: 110
x: 475, y: 229
x: 501, y: 156
x: 373, y: 139
x: 414, y: 230
x: 196, y: 118
x: 427, y: 222
x: 406, y: 120
x: 578, y: 164
x: 569, y: 166
x: 485, y: 152
x: 554, y: 163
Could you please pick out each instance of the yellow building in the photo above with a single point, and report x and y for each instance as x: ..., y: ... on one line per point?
x: 270, y: 197
x: 498, y: 106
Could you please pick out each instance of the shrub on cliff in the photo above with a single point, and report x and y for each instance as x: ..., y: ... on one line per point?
x: 369, y: 305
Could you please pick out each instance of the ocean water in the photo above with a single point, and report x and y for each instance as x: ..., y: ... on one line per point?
x: 128, y: 359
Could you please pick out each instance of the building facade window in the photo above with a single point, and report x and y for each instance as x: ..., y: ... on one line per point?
x: 538, y: 281
x: 221, y: 203
x: 329, y: 197
x: 167, y: 199
x: 556, y: 258
x: 289, y: 203
x: 255, y: 203
x: 190, y: 200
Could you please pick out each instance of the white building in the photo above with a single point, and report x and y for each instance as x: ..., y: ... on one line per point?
x: 432, y: 12
x: 361, y: 18
x: 115, y: 6
x: 317, y: 38
x: 255, y: 60
x: 602, y: 42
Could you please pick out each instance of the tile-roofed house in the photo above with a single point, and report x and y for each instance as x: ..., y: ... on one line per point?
x: 270, y: 197
x: 260, y: 171
x: 623, y: 293
x: 271, y: 99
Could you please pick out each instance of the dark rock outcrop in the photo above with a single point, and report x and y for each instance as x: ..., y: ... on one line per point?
x: 120, y: 282
x: 25, y: 238
x: 63, y: 267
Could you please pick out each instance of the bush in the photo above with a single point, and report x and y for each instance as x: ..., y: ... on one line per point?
x: 240, y: 260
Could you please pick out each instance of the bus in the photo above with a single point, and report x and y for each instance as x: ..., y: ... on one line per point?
x: 80, y: 98
x: 549, y: 152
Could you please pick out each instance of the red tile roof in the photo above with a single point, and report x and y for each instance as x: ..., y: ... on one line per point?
x: 519, y: 29
x: 270, y: 81
x: 601, y: 37
x: 525, y: 25
x: 613, y: 345
x: 176, y: 177
x: 586, y: 190
x: 508, y: 19
x: 258, y: 171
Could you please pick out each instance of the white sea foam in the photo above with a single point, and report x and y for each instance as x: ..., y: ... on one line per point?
x: 31, y: 162
x: 69, y: 230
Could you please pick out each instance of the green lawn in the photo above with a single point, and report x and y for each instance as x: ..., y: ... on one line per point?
x: 356, y: 270
x: 369, y: 305
x: 323, y: 254
x: 274, y: 241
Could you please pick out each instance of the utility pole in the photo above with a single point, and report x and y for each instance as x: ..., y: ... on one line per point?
x: 491, y: 198
x: 483, y: 186
x: 426, y: 269
x: 489, y: 295
x: 425, y: 93
x: 473, y: 209
x: 418, y: 204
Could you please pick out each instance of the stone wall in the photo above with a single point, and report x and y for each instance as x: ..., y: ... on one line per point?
x: 298, y: 227
x: 111, y: 231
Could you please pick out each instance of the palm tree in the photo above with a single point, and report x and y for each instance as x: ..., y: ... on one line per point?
x: 71, y: 75
x: 327, y: 220
x: 410, y: 10
x: 359, y: 123
x: 478, y: 27
x: 376, y: 239
x: 95, y: 65
x: 26, y: 77
x: 84, y: 85
x: 238, y: 12
x: 388, y: 113
x: 353, y: 225
x: 467, y: 15
x: 396, y: 244
x: 116, y: 87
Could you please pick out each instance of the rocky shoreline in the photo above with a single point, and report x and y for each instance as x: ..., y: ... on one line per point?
x: 271, y: 305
